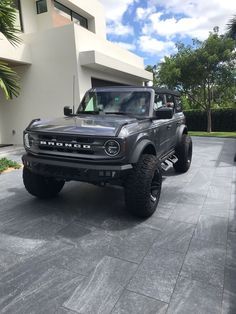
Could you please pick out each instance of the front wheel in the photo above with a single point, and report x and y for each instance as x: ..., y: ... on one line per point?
x: 41, y: 186
x: 184, y: 154
x: 143, y: 187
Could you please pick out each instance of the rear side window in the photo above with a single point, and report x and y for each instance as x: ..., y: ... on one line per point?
x: 170, y: 101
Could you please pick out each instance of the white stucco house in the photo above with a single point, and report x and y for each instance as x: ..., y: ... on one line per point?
x: 60, y: 40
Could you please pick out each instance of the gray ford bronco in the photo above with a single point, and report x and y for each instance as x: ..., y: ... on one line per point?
x: 119, y: 135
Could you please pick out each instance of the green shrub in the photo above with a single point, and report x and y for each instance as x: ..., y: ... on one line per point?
x: 7, y: 163
x: 223, y: 120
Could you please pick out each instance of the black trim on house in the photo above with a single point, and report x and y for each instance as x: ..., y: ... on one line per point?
x: 74, y: 16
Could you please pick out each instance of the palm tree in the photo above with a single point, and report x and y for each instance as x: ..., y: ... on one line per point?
x: 232, y: 27
x: 9, y: 80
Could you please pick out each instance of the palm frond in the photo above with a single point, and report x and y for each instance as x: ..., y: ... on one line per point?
x: 9, y: 81
x: 7, y: 22
x: 231, y: 27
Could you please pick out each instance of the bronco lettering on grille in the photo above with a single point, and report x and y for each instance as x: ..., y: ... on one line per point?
x: 63, y: 144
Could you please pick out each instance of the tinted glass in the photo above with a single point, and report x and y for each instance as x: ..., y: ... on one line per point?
x: 18, y: 22
x: 41, y: 6
x: 71, y: 15
x: 170, y: 101
x: 137, y: 103
x: 78, y: 19
x: 62, y: 10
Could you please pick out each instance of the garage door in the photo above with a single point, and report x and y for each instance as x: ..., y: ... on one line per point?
x: 100, y: 83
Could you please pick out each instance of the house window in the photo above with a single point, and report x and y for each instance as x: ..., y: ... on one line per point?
x: 70, y: 14
x: 18, y: 23
x: 41, y: 6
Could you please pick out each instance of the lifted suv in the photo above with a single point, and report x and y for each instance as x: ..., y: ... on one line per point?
x: 118, y: 135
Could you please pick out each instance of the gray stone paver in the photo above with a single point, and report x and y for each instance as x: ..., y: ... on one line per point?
x: 83, y: 253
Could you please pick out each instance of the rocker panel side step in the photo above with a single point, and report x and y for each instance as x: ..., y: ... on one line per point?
x: 168, y: 163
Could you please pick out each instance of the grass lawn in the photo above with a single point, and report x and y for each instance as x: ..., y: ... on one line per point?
x: 7, y: 163
x: 213, y: 134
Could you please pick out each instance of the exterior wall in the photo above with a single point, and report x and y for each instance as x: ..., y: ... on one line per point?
x: 28, y: 9
x: 94, y: 13
x: 46, y: 85
x: 86, y: 41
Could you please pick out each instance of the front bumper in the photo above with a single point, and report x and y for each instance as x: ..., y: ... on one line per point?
x: 72, y: 170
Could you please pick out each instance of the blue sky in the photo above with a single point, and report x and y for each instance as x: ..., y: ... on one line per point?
x: 150, y: 28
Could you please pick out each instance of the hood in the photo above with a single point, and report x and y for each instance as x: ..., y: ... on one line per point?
x: 94, y: 125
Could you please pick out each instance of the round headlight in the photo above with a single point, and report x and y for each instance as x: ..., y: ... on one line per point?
x: 112, y: 148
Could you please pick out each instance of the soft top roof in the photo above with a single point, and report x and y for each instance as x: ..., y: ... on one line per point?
x: 158, y: 90
x: 163, y: 90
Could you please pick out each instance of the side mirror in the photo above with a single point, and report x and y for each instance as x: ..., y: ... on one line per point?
x: 164, y: 113
x: 67, y: 111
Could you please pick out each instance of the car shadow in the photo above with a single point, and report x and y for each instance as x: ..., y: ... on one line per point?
x: 78, y: 203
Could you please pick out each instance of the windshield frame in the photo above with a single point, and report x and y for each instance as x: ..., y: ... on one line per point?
x: 131, y: 92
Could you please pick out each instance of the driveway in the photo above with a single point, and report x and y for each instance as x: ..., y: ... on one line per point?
x: 82, y: 253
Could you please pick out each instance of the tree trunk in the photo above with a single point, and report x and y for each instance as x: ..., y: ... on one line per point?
x: 209, y: 120
x: 208, y: 107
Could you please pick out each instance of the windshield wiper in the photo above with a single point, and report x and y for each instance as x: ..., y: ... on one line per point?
x: 88, y: 112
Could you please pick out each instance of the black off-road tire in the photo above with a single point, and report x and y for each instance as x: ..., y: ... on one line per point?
x: 40, y: 186
x: 184, y: 154
x: 143, y: 187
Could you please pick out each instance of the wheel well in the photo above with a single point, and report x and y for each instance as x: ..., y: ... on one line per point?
x: 149, y: 150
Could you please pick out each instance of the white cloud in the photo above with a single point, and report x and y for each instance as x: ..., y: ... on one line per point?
x: 153, y: 46
x: 115, y: 9
x: 114, y: 12
x: 171, y: 26
x: 127, y: 46
x: 143, y: 13
x: 117, y: 28
x: 199, y: 17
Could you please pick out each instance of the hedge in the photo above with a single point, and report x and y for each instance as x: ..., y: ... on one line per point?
x: 223, y: 120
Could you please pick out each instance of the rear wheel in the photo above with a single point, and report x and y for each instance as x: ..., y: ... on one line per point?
x: 184, y: 154
x: 143, y: 187
x: 41, y: 186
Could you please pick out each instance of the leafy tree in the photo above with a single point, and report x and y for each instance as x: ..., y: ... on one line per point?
x: 153, y: 70
x: 9, y: 81
x: 199, y: 71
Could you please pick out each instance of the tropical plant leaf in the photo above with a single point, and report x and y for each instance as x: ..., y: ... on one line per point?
x: 7, y: 22
x: 231, y: 26
x: 9, y: 81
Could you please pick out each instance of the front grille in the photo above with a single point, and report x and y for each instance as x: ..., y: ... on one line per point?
x: 68, y: 144
x: 63, y: 138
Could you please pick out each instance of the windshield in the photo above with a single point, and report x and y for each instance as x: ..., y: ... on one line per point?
x: 116, y: 102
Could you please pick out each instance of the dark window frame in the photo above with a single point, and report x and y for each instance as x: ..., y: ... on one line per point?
x: 37, y: 7
x: 20, y: 14
x: 178, y: 105
x: 70, y: 14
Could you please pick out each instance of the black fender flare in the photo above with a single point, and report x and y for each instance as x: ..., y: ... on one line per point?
x: 182, y: 129
x: 139, y: 150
